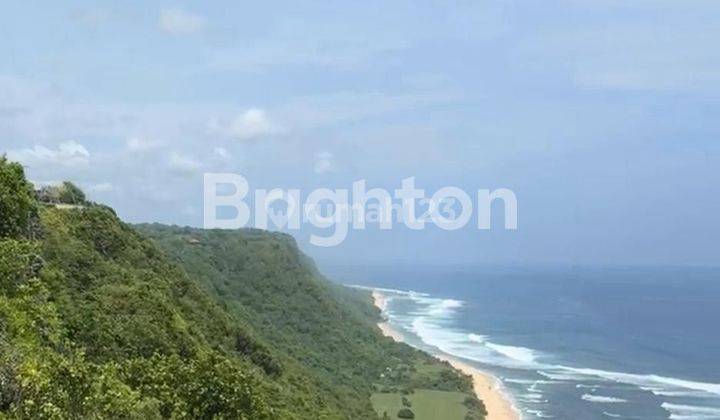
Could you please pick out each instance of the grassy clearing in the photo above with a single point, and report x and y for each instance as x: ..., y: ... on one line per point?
x: 426, y: 405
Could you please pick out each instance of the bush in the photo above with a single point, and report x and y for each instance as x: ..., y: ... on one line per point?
x: 472, y: 402
x: 65, y: 193
x: 18, y: 206
x: 258, y: 353
x: 406, y: 413
x: 71, y: 194
x: 19, y: 262
x: 210, y: 386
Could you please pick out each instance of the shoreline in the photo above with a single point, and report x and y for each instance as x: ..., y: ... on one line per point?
x: 486, y: 386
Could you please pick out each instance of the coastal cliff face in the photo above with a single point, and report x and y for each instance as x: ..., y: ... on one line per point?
x: 99, y: 319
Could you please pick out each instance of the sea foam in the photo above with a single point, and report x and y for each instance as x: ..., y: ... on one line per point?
x: 602, y: 399
x: 433, y: 319
x: 521, y: 354
x: 644, y: 381
x: 691, y: 412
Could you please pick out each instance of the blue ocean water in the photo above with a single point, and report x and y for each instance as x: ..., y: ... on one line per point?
x: 569, y: 343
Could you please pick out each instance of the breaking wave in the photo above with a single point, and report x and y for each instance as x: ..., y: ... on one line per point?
x: 602, y: 399
x: 433, y: 321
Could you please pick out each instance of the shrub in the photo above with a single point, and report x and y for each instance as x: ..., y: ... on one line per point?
x: 65, y: 193
x: 207, y: 387
x: 18, y: 206
x: 406, y: 413
x: 71, y: 194
x: 19, y: 262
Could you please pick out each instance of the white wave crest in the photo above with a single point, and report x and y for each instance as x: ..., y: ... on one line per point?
x: 602, y: 399
x: 539, y: 414
x: 691, y: 412
x: 444, y: 307
x: 383, y: 290
x: 432, y: 320
x: 518, y: 381
x: 526, y: 381
x: 521, y: 354
x: 563, y: 376
x: 653, y: 381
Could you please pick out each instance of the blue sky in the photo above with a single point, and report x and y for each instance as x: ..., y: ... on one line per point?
x: 600, y: 115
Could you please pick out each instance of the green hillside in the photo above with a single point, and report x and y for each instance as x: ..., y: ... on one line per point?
x: 98, y: 321
x: 319, y: 330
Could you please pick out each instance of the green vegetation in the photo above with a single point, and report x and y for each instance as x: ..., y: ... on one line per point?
x: 97, y: 321
x: 65, y: 193
x: 405, y: 413
x: 425, y: 405
x: 17, y: 201
x: 428, y: 390
x: 321, y: 331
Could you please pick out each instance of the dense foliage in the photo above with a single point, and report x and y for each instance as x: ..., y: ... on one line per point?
x: 322, y: 331
x: 65, y: 193
x: 17, y: 200
x: 96, y: 321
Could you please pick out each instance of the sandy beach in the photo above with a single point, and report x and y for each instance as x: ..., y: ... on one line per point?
x: 381, y: 303
x: 486, y: 386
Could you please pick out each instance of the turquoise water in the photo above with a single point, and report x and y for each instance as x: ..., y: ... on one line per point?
x: 569, y: 343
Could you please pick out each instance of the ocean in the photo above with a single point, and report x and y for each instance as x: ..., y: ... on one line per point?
x: 568, y: 343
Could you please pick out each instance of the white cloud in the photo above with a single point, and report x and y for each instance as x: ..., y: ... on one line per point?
x: 138, y: 144
x: 249, y: 125
x: 180, y: 22
x: 68, y: 153
x: 221, y: 152
x: 324, y: 162
x: 100, y: 188
x: 183, y: 164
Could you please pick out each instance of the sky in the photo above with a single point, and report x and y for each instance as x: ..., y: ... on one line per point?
x: 601, y: 116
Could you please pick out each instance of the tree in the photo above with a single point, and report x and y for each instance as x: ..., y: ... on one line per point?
x: 406, y: 413
x: 71, y: 194
x: 18, y: 206
x: 19, y: 262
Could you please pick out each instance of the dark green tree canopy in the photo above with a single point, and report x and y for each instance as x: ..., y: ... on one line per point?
x: 65, y: 193
x: 18, y: 205
x: 99, y: 321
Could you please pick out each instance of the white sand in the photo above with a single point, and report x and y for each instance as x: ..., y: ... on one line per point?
x: 486, y: 386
